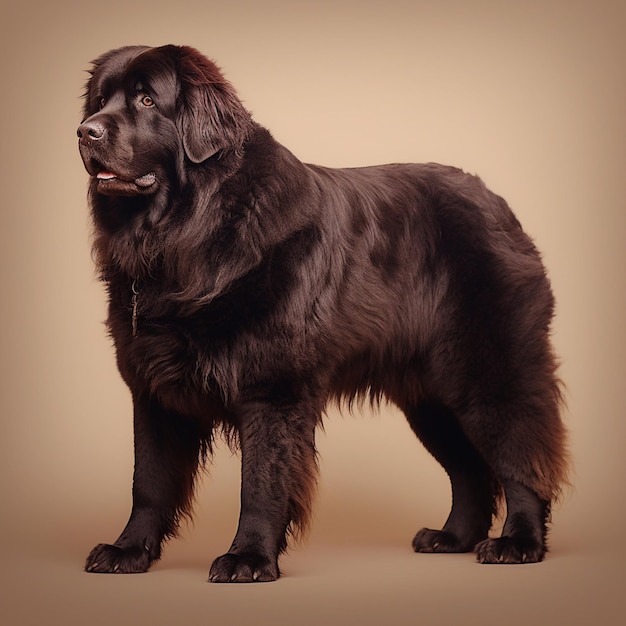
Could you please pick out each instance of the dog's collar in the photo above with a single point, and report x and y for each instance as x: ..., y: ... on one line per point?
x: 134, y: 302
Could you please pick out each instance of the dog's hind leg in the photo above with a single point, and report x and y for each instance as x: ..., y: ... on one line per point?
x: 524, y: 534
x: 474, y: 490
x: 527, y: 456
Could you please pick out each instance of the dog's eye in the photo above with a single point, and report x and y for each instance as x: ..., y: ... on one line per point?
x: 147, y: 101
x: 101, y: 103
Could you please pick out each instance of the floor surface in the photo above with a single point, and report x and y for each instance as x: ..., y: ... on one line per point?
x: 324, y: 585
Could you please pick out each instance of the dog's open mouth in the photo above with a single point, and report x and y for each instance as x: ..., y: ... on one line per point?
x: 111, y: 184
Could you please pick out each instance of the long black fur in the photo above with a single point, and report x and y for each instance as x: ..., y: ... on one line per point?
x: 247, y: 290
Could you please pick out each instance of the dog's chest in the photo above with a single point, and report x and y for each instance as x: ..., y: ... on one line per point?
x: 176, y: 358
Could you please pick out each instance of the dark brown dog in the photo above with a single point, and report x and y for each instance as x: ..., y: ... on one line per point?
x: 247, y: 290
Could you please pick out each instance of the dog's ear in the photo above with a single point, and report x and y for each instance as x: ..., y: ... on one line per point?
x: 210, y: 117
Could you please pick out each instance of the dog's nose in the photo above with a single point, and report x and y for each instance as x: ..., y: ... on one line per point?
x: 91, y: 130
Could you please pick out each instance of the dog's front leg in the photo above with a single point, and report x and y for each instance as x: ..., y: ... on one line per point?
x: 167, y: 448
x: 277, y: 482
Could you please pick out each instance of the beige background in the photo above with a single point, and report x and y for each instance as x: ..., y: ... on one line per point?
x: 530, y: 95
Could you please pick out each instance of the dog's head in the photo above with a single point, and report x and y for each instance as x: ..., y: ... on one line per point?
x: 150, y: 111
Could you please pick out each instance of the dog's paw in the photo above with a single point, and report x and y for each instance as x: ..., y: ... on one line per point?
x: 243, y: 568
x: 108, y: 559
x: 510, y: 550
x: 428, y: 540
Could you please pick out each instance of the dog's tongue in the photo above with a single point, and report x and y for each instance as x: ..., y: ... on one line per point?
x: 143, y: 181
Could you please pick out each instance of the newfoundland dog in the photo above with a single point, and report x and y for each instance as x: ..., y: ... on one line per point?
x: 247, y: 290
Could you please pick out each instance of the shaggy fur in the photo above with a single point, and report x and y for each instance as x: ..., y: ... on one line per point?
x: 247, y: 290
